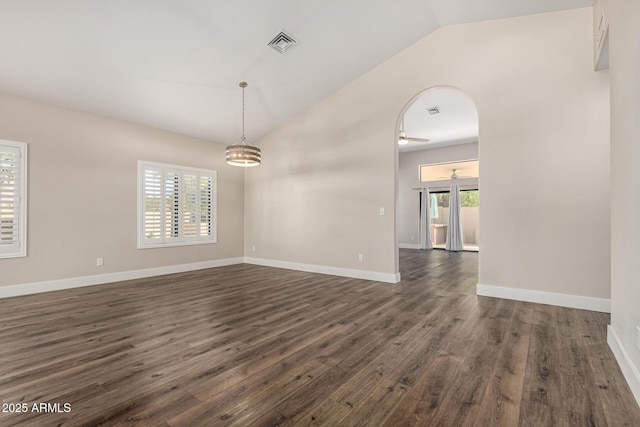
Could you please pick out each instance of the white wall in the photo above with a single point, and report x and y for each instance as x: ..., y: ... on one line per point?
x: 82, y: 196
x: 409, y: 178
x: 316, y: 199
x: 325, y: 174
x: 544, y: 156
x: 625, y: 195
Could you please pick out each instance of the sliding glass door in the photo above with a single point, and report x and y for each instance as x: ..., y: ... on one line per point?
x: 439, y: 209
x: 439, y: 218
x: 470, y: 236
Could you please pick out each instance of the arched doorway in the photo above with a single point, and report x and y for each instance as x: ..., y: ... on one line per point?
x: 437, y: 147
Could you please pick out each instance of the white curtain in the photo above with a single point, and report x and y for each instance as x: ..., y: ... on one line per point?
x: 454, y: 231
x: 425, y: 221
x: 434, y: 206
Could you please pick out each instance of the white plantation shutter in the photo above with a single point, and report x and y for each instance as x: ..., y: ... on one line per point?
x: 190, y: 193
x: 172, y: 205
x: 13, y: 199
x: 206, y: 203
x: 176, y: 206
x: 152, y: 197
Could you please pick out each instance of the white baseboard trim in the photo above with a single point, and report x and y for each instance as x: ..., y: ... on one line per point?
x: 321, y: 269
x: 99, y: 279
x: 408, y: 246
x: 551, y: 298
x: 629, y: 370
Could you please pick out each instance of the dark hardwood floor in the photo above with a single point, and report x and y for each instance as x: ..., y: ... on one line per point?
x: 257, y: 346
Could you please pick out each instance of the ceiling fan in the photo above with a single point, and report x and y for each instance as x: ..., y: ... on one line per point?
x: 403, y: 139
x: 454, y: 175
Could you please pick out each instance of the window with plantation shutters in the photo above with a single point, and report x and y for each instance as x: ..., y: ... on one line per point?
x: 176, y: 205
x: 13, y: 199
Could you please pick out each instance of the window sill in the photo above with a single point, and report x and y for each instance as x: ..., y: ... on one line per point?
x: 173, y: 244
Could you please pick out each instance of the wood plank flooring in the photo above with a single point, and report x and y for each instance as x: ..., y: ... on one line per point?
x: 257, y: 346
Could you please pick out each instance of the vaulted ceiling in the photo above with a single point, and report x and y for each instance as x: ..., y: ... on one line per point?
x: 176, y: 65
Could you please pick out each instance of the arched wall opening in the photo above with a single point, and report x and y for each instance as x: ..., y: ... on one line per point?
x: 437, y: 147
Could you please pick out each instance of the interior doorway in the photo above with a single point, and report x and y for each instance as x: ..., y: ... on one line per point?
x: 437, y: 148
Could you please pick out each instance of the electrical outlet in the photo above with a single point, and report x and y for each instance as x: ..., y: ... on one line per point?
x: 381, y: 211
x: 253, y: 248
x: 360, y: 257
x: 99, y: 262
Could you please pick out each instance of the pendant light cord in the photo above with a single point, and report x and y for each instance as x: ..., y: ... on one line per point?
x: 243, y: 85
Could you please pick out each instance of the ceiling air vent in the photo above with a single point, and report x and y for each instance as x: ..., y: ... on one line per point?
x: 283, y: 42
x: 434, y: 110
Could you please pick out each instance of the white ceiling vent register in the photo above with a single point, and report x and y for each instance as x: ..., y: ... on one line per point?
x: 283, y: 42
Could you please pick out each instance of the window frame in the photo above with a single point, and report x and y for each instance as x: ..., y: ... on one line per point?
x: 20, y: 246
x: 178, y: 212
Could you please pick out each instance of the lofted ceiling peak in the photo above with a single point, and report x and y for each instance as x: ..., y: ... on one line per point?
x: 175, y: 65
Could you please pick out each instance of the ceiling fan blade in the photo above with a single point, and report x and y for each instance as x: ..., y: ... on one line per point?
x: 418, y: 139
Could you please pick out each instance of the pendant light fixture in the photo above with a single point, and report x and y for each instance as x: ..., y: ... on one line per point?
x: 242, y: 153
